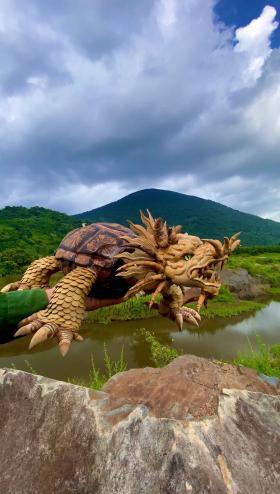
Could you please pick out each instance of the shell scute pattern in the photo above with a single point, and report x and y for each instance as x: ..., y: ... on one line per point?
x: 94, y: 245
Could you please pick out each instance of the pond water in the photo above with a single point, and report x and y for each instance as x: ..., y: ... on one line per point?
x: 219, y: 338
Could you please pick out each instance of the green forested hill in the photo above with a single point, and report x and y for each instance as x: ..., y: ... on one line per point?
x: 29, y: 233
x: 197, y: 216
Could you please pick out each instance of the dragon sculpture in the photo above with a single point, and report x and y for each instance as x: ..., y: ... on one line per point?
x: 105, y: 259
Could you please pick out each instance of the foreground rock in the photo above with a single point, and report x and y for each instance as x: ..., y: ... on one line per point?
x: 193, y: 427
x: 240, y: 282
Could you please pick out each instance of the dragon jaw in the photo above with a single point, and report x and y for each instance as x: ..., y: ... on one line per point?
x: 198, y: 272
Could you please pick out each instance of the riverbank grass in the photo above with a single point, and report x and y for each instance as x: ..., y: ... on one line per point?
x: 96, y: 378
x: 264, y: 265
x: 225, y: 305
x: 134, y: 308
x: 161, y: 355
x: 264, y: 359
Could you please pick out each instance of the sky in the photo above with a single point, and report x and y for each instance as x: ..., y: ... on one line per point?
x: 102, y: 98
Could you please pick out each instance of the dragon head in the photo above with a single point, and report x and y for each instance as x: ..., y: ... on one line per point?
x: 160, y: 256
x: 196, y: 262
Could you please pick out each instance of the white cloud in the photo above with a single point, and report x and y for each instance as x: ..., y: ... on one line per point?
x: 166, y: 13
x: 101, y: 101
x: 254, y: 41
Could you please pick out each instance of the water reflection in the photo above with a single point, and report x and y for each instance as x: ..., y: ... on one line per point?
x: 265, y: 322
x: 219, y: 338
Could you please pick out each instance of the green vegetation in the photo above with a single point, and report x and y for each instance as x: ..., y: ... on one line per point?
x: 30, y: 368
x: 96, y: 379
x: 266, y: 266
x: 27, y: 234
x: 254, y: 250
x: 201, y: 217
x: 9, y: 278
x: 217, y: 309
x: 225, y: 305
x: 265, y: 360
x: 134, y: 308
x: 161, y: 355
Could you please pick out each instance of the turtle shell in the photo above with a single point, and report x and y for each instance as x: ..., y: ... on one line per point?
x: 93, y: 245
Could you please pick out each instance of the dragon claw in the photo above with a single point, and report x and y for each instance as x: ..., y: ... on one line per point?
x: 65, y: 339
x: 191, y: 316
x: 179, y: 319
x: 11, y: 287
x: 185, y: 314
x: 44, y: 330
x: 78, y: 337
x: 64, y: 347
x: 28, y: 320
x: 41, y: 335
x: 30, y: 328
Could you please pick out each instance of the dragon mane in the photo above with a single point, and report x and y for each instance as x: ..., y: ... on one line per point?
x: 144, y: 258
x: 155, y: 243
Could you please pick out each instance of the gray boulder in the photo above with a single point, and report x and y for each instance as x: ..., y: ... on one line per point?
x: 195, y: 426
x: 245, y: 286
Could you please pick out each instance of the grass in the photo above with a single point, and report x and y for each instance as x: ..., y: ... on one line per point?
x: 225, y: 305
x: 96, y: 379
x: 219, y: 309
x: 9, y: 278
x: 265, y: 265
x: 265, y: 360
x: 161, y: 355
x: 135, y: 308
x: 30, y: 369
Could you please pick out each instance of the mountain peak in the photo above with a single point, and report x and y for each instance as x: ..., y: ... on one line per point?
x: 197, y: 216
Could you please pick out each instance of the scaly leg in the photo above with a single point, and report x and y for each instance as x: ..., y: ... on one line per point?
x: 172, y: 306
x: 37, y: 275
x: 65, y: 312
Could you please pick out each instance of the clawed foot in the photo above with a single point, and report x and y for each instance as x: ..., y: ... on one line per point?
x: 42, y: 331
x: 186, y: 314
x: 11, y: 287
x: 180, y: 315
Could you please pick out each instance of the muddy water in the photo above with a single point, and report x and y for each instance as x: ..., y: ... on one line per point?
x: 219, y: 338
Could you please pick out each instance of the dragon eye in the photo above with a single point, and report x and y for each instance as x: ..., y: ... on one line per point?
x: 188, y: 257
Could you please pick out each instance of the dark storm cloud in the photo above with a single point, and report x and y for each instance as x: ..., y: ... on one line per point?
x: 99, y: 98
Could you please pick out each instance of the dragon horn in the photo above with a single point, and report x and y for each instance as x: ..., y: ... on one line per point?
x: 152, y: 221
x: 226, y: 244
x: 172, y: 234
x: 217, y: 245
x: 235, y: 236
x: 234, y: 241
x: 161, y: 233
